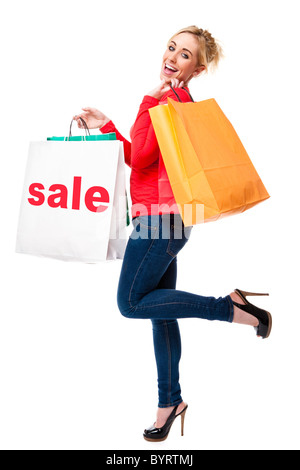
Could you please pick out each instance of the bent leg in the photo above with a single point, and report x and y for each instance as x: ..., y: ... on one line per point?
x: 145, y: 262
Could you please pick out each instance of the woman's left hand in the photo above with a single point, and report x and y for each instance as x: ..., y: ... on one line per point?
x: 164, y: 87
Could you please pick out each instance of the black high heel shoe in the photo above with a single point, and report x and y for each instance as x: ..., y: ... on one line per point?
x: 265, y: 318
x: 154, y: 434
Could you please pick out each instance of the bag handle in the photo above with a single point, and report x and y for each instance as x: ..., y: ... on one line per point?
x: 178, y: 95
x: 87, y: 131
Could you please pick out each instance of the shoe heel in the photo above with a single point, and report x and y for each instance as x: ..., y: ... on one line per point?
x: 250, y: 294
x: 182, y: 423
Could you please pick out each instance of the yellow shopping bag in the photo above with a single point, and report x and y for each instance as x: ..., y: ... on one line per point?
x: 210, y: 172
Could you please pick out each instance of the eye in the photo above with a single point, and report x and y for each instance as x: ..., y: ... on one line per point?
x: 171, y: 48
x: 185, y: 56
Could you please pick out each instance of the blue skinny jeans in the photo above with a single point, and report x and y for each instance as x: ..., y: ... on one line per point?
x: 147, y: 290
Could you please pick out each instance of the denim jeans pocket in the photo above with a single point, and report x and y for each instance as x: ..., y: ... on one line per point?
x: 144, y: 228
x: 178, y: 238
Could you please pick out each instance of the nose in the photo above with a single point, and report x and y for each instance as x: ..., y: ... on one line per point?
x: 172, y: 57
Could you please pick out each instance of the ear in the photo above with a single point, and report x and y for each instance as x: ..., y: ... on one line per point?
x: 199, y: 70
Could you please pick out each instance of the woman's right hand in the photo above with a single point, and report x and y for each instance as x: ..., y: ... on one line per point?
x: 93, y: 117
x: 164, y: 87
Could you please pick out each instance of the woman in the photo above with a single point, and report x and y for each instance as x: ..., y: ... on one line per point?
x: 147, y: 285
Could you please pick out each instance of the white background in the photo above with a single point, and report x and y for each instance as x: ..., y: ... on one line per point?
x: 74, y: 373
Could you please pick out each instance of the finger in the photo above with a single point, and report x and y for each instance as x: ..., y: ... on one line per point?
x: 83, y: 116
x: 81, y: 122
x: 166, y: 88
x: 181, y: 84
x: 79, y: 119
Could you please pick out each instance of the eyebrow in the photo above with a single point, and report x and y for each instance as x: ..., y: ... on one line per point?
x: 184, y: 49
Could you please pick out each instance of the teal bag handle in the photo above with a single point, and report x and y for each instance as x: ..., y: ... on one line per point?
x: 86, y: 137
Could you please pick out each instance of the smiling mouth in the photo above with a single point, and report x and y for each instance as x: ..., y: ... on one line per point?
x: 169, y: 70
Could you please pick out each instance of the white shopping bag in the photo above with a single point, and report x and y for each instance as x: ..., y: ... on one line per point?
x: 74, y: 205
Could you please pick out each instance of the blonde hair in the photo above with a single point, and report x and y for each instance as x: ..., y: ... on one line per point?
x: 210, y: 51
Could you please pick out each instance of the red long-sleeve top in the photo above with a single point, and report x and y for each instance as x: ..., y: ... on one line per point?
x: 148, y: 179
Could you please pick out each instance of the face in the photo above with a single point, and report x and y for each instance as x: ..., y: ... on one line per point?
x: 181, y: 59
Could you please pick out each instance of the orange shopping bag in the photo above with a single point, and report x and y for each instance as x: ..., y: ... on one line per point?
x: 209, y: 170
